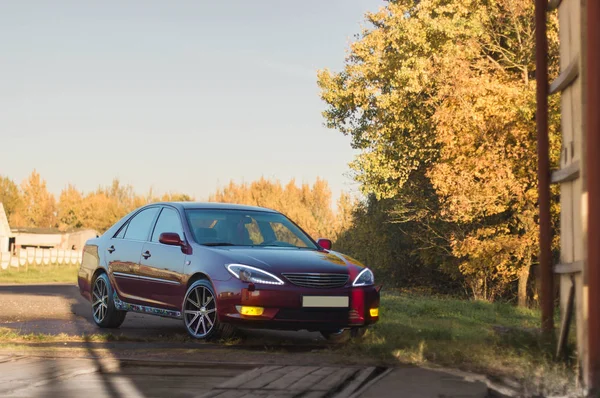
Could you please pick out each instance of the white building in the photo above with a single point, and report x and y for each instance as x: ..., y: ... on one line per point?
x: 47, y: 238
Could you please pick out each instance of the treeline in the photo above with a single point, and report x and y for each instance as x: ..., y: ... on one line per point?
x: 30, y: 204
x: 439, y: 97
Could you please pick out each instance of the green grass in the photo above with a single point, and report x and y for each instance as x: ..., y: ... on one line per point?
x: 40, y: 274
x: 8, y: 335
x: 492, y: 338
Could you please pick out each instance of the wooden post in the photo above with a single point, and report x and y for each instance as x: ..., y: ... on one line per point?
x: 541, y: 74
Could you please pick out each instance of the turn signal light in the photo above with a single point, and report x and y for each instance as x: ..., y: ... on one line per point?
x: 251, y: 311
x: 374, y: 312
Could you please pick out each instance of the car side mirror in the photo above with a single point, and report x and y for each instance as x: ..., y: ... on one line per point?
x: 324, y: 243
x: 171, y: 238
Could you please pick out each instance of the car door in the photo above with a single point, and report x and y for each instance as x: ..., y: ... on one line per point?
x: 162, y: 265
x: 124, y: 251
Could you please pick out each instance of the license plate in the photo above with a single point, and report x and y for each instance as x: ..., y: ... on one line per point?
x: 325, y: 301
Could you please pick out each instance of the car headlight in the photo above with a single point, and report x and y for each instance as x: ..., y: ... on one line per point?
x: 247, y: 273
x: 365, y: 278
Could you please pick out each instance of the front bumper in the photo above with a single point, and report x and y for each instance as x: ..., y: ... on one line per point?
x: 283, y: 308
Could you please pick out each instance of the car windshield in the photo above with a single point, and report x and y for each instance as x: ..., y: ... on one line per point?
x: 225, y: 227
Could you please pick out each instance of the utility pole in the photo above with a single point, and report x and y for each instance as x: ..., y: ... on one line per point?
x: 541, y: 74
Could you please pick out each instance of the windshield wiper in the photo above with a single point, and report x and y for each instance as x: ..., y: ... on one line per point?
x: 218, y: 244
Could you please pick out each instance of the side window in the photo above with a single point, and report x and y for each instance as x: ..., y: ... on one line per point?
x: 121, y: 233
x: 168, y: 221
x: 139, y: 226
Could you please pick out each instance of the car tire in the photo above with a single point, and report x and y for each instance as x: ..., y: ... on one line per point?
x: 344, y: 335
x: 200, y: 315
x: 104, y: 313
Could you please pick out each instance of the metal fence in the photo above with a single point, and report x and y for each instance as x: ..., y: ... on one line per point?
x: 24, y: 258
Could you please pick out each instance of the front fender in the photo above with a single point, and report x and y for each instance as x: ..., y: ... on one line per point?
x: 209, y: 262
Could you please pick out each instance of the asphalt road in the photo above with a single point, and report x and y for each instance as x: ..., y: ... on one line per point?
x: 59, y: 308
x: 79, y: 377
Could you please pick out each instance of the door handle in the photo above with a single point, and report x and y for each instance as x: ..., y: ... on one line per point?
x: 111, y: 249
x: 146, y: 254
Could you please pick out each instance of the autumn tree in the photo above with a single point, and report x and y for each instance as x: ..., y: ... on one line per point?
x: 39, y: 206
x: 70, y: 209
x: 441, y: 96
x: 394, y: 250
x: 10, y: 196
x: 374, y: 240
x: 107, y: 205
x: 346, y: 206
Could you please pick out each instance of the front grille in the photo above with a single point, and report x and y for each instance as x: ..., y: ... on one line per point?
x: 321, y: 281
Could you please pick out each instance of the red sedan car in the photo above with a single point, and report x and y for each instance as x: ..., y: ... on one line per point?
x: 218, y: 266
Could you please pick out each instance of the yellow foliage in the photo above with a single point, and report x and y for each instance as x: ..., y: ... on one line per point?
x: 37, y: 206
x: 33, y: 206
x: 446, y: 90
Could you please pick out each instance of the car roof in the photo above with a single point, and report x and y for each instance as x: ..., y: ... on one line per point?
x: 216, y: 206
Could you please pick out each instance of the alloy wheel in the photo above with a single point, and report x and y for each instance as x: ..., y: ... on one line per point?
x: 100, y: 302
x: 200, y: 311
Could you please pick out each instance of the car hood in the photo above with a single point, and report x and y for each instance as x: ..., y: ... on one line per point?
x: 283, y: 259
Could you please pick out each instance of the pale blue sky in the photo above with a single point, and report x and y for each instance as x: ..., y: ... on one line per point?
x: 174, y: 95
